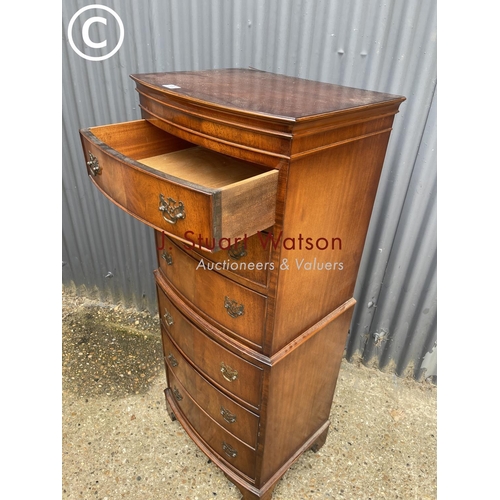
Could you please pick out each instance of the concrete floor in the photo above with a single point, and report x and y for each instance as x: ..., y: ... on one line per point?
x: 119, y: 442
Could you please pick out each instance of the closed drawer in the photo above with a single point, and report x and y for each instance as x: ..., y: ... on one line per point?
x: 233, y: 306
x: 237, y: 420
x: 232, y: 451
x: 241, y: 379
x: 177, y: 187
x: 249, y: 258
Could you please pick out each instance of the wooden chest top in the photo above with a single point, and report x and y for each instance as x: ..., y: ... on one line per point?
x: 258, y: 92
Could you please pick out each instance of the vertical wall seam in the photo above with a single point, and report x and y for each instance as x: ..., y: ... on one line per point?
x: 388, y: 260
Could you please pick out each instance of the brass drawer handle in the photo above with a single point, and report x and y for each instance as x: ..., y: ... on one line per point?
x: 167, y: 257
x: 229, y: 450
x: 233, y: 308
x: 177, y: 394
x: 229, y: 417
x: 93, y: 164
x: 168, y: 318
x: 237, y: 251
x: 172, y: 210
x: 228, y: 373
x: 171, y: 359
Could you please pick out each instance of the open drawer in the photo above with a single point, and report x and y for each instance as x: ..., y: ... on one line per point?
x: 199, y: 196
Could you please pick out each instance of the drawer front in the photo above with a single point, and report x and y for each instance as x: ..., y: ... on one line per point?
x: 178, y: 189
x: 143, y: 193
x: 227, y: 447
x: 248, y: 258
x: 227, y: 413
x: 231, y: 305
x: 241, y: 379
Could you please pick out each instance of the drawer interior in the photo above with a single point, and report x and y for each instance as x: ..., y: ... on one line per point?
x: 202, y: 166
x: 161, y: 151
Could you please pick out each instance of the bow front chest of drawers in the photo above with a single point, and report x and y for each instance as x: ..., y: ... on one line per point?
x: 260, y: 189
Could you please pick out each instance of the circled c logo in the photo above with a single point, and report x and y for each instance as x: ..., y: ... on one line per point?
x: 86, y: 36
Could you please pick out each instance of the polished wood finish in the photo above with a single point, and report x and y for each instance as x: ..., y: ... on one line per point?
x: 234, y: 417
x: 256, y: 115
x: 215, y: 194
x: 349, y: 198
x: 246, y: 261
x: 231, y: 451
x: 305, y: 377
x: 252, y: 355
x: 216, y: 298
x: 209, y: 356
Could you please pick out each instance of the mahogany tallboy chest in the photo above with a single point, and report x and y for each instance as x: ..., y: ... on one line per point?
x: 260, y: 189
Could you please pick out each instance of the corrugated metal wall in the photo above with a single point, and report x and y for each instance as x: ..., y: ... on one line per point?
x: 384, y: 45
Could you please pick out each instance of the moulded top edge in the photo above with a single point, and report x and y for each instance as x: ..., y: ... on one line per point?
x: 264, y: 94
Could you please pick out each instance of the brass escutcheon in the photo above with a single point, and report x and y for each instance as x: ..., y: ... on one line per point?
x: 228, y: 373
x: 237, y: 251
x: 233, y: 308
x: 171, y: 359
x: 172, y: 210
x: 168, y: 318
x: 177, y: 394
x: 229, y: 417
x: 229, y: 450
x: 167, y: 257
x: 93, y: 164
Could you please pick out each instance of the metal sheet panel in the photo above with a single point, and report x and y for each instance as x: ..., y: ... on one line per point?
x: 389, y: 46
x: 396, y: 325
